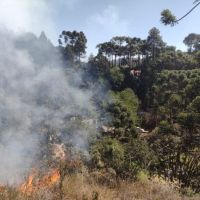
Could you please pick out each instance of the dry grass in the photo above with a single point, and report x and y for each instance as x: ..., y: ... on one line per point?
x: 86, y: 187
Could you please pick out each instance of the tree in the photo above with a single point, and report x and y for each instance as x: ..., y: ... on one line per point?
x: 80, y: 45
x: 107, y: 49
x: 155, y: 42
x: 108, y: 152
x: 99, y: 65
x: 74, y: 44
x: 128, y: 99
x: 121, y: 120
x: 119, y: 43
x: 192, y: 41
x: 138, y: 156
x: 116, y: 78
x: 195, y: 105
x: 134, y: 48
x: 167, y: 18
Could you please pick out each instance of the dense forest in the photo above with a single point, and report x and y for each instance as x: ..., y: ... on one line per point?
x: 152, y: 85
x: 156, y: 87
x: 143, y: 111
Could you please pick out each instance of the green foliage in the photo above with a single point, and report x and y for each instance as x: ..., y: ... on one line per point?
x: 188, y: 120
x: 175, y: 100
x: 108, y: 152
x: 176, y: 141
x: 173, y: 90
x: 165, y: 127
x: 166, y: 145
x: 197, y: 56
x: 127, y: 160
x: 168, y: 87
x: 193, y: 88
x: 195, y: 105
x: 128, y: 99
x: 167, y: 18
x: 138, y: 156
x: 121, y: 46
x: 155, y: 42
x: 116, y: 78
x: 124, y: 128
x: 176, y: 60
x: 74, y: 44
x: 143, y: 176
x: 192, y: 41
x: 99, y: 65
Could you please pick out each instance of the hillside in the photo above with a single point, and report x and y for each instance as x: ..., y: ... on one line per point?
x: 121, y: 124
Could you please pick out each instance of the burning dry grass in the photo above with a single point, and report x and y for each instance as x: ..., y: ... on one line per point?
x: 46, y: 181
x: 83, y: 186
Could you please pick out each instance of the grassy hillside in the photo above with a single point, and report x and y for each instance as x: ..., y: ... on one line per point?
x: 98, y: 186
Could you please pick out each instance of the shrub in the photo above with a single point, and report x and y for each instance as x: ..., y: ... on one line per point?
x: 108, y: 152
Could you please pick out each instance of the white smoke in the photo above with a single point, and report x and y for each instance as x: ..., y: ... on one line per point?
x: 27, y: 15
x: 35, y: 90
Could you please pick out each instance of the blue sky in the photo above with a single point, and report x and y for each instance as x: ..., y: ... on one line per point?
x: 99, y: 20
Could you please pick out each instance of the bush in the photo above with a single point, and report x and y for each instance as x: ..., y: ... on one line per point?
x: 138, y: 156
x: 165, y: 127
x: 108, y: 153
x: 128, y: 99
x: 116, y: 78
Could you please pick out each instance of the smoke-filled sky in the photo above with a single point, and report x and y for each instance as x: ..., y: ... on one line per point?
x: 36, y: 92
x: 100, y: 20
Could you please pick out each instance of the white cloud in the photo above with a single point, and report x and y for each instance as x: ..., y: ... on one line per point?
x: 26, y: 15
x: 110, y: 21
x: 104, y: 25
x: 35, y: 15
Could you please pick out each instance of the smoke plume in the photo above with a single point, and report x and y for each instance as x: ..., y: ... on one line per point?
x: 36, y: 91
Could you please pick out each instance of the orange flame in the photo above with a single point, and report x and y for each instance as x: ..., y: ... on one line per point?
x: 27, y: 187
x: 47, y: 181
x: 2, y: 188
x: 50, y: 179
